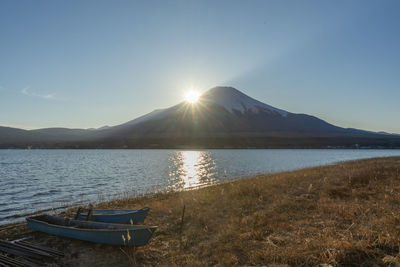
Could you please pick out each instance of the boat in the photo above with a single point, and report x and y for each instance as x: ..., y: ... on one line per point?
x: 98, y: 232
x: 124, y: 216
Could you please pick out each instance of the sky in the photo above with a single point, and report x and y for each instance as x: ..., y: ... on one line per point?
x: 86, y: 64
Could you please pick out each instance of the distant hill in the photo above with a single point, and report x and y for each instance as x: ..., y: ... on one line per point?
x: 223, y: 117
x: 10, y: 135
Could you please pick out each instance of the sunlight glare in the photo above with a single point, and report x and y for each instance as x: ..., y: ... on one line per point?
x: 192, y: 96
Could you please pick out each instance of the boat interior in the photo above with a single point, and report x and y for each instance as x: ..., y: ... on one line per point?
x: 66, y: 222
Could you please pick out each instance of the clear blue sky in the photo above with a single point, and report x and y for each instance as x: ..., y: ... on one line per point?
x: 92, y: 63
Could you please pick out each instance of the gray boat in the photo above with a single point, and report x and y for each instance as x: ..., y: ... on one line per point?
x: 106, y: 233
x: 123, y: 216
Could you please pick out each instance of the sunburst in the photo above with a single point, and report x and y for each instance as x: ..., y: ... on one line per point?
x: 192, y: 96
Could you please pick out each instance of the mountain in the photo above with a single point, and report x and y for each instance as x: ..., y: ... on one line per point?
x: 10, y: 135
x: 225, y: 111
x: 222, y: 117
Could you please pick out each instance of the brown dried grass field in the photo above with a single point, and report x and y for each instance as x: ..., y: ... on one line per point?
x: 345, y: 214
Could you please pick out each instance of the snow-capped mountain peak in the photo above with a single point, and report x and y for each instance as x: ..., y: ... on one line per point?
x: 233, y: 100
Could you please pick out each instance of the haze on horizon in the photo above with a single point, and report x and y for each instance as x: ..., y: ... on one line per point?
x: 83, y: 64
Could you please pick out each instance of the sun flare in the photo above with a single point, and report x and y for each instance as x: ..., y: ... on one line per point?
x: 192, y: 96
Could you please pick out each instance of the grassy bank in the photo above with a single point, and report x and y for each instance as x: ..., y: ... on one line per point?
x: 344, y: 215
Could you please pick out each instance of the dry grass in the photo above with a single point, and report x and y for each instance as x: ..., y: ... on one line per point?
x: 340, y: 215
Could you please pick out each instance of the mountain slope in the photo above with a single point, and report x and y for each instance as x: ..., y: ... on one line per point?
x: 9, y: 135
x: 233, y: 100
x: 225, y: 111
x: 224, y: 114
x: 26, y: 137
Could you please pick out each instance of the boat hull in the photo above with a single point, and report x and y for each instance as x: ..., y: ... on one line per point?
x: 105, y: 233
x: 117, y: 215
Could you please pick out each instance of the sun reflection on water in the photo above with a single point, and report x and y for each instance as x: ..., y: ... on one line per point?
x: 191, y: 169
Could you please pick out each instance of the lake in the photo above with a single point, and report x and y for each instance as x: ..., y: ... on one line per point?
x: 32, y: 180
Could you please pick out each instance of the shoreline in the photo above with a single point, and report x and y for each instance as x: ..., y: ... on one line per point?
x: 61, y: 205
x: 66, y: 207
x: 333, y: 214
x: 213, y: 148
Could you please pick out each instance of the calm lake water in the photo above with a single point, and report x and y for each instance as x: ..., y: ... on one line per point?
x: 32, y: 180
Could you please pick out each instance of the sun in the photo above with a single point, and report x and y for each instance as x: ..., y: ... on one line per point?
x: 192, y: 96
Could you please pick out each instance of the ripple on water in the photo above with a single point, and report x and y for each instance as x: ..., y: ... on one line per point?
x: 32, y: 180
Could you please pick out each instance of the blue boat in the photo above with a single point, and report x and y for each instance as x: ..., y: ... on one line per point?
x: 123, y: 216
x: 106, y: 233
